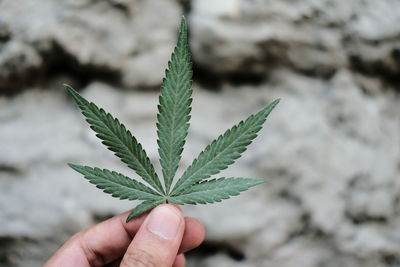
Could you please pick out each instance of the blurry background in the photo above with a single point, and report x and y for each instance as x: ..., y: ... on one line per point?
x: 331, y: 149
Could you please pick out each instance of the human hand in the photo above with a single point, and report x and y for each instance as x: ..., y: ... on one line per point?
x: 158, y: 238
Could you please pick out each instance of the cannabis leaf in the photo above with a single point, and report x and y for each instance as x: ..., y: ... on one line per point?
x: 223, y: 151
x: 172, y: 128
x: 174, y: 108
x: 118, y: 139
x: 215, y: 190
x: 116, y: 184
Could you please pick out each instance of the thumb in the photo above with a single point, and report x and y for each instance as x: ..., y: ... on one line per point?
x: 158, y: 239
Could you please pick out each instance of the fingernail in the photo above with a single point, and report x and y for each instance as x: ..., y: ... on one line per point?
x: 164, y: 222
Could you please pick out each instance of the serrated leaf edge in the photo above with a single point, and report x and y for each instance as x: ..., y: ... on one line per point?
x: 218, y: 146
x: 105, y: 179
x: 215, y: 190
x: 174, y: 108
x: 139, y: 162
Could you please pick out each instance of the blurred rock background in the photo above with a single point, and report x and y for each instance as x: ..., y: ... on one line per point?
x: 331, y: 149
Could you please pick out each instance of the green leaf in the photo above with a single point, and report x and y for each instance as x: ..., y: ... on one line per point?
x: 215, y: 190
x: 117, y: 184
x: 172, y: 128
x: 118, y: 139
x: 174, y: 108
x: 143, y: 207
x: 223, y: 151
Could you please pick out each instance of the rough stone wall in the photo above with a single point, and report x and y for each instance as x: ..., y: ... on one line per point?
x: 331, y: 149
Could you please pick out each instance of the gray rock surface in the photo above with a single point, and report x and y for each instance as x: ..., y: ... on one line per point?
x: 314, y: 37
x: 117, y: 38
x: 331, y: 149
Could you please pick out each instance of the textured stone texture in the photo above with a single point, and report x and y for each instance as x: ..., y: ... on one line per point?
x: 331, y: 149
x: 116, y: 38
x: 314, y: 37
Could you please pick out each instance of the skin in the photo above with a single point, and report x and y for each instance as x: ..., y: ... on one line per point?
x: 158, y: 238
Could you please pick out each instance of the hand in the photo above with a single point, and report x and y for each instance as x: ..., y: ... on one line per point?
x: 158, y: 238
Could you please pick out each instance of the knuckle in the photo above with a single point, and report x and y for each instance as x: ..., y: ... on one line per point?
x: 93, y: 257
x: 139, y: 258
x: 76, y: 237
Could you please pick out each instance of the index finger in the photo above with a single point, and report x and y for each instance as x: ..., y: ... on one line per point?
x: 99, y: 244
